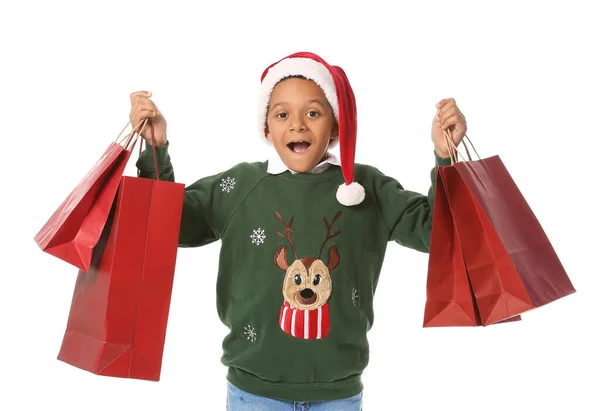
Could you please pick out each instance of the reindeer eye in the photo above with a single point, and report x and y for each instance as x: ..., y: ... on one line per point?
x: 317, y: 279
x: 297, y: 279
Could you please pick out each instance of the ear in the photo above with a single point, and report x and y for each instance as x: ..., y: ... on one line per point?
x: 335, y: 131
x: 334, y: 258
x: 268, y: 133
x: 334, y: 139
x: 281, y: 258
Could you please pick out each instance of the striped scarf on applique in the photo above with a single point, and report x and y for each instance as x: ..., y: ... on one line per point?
x: 307, y: 324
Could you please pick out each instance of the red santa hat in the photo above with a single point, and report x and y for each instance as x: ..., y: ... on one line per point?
x: 339, y: 94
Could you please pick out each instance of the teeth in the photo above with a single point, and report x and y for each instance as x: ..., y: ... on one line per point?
x: 299, y: 147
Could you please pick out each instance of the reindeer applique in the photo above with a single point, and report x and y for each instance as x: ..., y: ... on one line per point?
x: 306, y: 287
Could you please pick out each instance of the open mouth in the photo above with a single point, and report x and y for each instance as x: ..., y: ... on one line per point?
x: 299, y: 146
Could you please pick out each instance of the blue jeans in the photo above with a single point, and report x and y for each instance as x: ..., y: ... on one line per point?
x: 238, y: 400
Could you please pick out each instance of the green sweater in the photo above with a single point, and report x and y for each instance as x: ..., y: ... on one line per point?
x: 297, y: 270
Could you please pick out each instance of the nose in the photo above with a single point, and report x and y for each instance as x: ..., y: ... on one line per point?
x: 307, y: 293
x: 297, y: 123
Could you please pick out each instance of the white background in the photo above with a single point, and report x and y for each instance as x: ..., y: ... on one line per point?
x: 525, y: 74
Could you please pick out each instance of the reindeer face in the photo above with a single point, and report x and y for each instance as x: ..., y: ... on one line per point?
x: 307, y: 283
x: 307, y: 288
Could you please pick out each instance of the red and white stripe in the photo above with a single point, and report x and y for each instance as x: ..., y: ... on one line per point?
x: 307, y: 324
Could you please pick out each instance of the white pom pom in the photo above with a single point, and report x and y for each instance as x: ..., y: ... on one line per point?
x: 350, y: 195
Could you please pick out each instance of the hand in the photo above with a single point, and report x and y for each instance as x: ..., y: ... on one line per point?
x: 142, y: 107
x: 448, y: 117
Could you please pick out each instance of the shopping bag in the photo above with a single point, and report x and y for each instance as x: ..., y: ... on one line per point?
x: 511, y: 264
x: 119, y: 311
x: 75, y: 227
x: 118, y: 317
x: 449, y: 297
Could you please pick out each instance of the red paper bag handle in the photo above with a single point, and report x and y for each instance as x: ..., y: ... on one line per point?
x: 153, y: 150
x: 453, y: 150
x: 130, y: 136
x: 153, y: 146
x: 133, y: 133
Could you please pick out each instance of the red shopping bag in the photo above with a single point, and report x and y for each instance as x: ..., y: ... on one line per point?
x: 449, y: 297
x: 510, y: 262
x: 118, y: 317
x: 75, y: 227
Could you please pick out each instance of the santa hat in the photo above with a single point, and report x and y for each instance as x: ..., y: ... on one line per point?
x: 339, y: 94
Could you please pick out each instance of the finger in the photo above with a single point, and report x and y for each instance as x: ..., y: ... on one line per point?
x: 447, y: 122
x: 460, y: 114
x: 447, y: 111
x: 444, y: 101
x: 450, y: 111
x: 441, y: 102
x: 450, y: 121
x: 140, y: 100
x: 143, y: 93
x: 442, y: 116
x: 141, y: 115
x: 447, y: 104
x: 145, y: 105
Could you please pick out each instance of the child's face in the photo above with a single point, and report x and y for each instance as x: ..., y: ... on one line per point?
x: 300, y: 123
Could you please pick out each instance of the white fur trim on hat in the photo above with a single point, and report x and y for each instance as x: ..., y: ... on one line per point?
x: 351, y: 194
x: 293, y: 66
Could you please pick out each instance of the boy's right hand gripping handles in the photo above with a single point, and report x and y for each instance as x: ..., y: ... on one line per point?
x: 453, y: 150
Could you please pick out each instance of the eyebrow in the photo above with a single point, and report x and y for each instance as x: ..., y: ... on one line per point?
x: 319, y: 102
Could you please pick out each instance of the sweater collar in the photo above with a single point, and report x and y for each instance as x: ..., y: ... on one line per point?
x: 277, y: 166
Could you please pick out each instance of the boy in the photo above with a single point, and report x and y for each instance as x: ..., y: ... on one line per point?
x: 303, y: 238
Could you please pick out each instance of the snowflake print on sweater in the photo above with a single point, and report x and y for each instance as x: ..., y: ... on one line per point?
x: 355, y: 296
x: 227, y: 184
x: 250, y: 333
x: 258, y: 236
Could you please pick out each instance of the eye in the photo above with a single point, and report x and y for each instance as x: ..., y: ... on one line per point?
x: 297, y: 279
x: 316, y: 113
x: 317, y: 279
x: 281, y: 114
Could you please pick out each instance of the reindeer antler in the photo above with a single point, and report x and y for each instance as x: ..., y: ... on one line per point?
x: 329, y: 235
x: 288, y: 230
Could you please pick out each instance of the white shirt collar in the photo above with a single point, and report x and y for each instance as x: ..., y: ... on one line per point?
x: 277, y: 166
